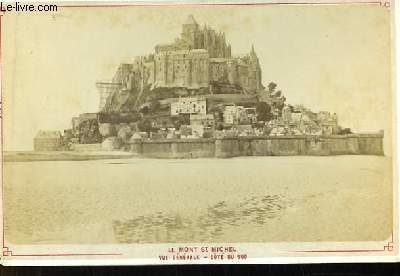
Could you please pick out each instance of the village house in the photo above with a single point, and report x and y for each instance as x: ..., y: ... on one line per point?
x: 206, y: 120
x: 234, y: 114
x: 47, y: 141
x: 328, y: 122
x: 251, y: 115
x: 302, y: 124
x: 189, y: 105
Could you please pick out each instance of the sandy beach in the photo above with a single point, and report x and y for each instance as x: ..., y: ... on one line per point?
x: 29, y: 156
x: 248, y: 199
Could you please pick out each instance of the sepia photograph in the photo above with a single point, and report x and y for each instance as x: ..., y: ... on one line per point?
x: 163, y: 133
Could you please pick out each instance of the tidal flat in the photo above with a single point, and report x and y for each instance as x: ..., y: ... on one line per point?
x: 244, y: 199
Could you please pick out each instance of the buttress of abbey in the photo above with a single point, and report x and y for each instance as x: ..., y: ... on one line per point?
x: 197, y: 59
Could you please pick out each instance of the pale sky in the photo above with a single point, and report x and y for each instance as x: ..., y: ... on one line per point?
x: 327, y: 57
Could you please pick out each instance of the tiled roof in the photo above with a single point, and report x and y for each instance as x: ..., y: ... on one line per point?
x: 48, y: 134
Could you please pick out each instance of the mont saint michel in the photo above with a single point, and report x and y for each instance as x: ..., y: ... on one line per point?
x: 193, y: 98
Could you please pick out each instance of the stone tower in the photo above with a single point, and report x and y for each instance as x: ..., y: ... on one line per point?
x: 254, y: 71
x: 190, y: 32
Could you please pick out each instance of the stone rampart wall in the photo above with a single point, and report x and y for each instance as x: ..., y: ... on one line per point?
x: 362, y: 144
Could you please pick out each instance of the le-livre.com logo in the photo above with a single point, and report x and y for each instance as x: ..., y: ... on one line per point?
x: 20, y: 7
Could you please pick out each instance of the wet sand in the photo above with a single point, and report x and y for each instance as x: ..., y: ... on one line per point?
x: 247, y: 199
x: 29, y: 156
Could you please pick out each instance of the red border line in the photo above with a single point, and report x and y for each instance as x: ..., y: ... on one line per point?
x: 7, y: 252
x: 387, y: 247
x: 385, y: 3
x: 10, y: 253
x: 338, y: 251
x: 63, y: 255
x: 2, y: 123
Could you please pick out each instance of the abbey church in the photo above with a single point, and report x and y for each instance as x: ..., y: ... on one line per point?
x: 199, y: 58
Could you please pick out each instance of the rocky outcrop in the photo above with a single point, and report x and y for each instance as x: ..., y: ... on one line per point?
x: 107, y: 130
x: 89, y: 132
x: 122, y: 101
x: 125, y: 132
x: 111, y: 143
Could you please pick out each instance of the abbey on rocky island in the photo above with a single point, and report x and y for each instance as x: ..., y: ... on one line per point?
x: 199, y: 58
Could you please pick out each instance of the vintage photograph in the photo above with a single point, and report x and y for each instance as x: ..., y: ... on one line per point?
x: 204, y: 127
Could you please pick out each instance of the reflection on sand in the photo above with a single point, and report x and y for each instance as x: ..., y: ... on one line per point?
x: 167, y: 227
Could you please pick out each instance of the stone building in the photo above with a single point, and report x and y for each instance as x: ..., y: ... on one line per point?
x: 328, y: 122
x: 195, y: 37
x: 286, y: 114
x: 234, y: 114
x: 189, y: 105
x: 47, y: 141
x: 206, y: 120
x: 181, y: 68
x: 199, y: 58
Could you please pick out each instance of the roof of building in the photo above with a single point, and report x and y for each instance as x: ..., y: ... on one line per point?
x: 190, y: 20
x: 188, y: 51
x: 201, y: 116
x: 296, y: 116
x: 87, y: 116
x: 48, y: 134
x: 199, y: 98
x: 218, y: 60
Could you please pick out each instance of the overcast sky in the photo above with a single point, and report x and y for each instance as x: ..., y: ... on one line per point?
x: 327, y: 57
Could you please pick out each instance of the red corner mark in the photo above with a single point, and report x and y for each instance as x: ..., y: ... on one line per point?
x: 6, y: 251
x: 386, y: 4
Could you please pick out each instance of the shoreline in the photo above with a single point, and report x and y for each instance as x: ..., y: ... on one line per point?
x: 355, y: 144
x: 32, y: 156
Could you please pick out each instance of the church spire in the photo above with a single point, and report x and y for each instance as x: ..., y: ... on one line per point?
x: 190, y: 20
x: 252, y: 52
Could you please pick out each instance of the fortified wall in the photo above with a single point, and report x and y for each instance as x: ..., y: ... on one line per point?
x: 353, y: 144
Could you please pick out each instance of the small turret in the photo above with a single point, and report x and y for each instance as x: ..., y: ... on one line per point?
x: 189, y: 31
x: 190, y: 20
x: 252, y: 52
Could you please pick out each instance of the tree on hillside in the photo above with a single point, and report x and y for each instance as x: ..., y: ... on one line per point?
x: 180, y: 120
x: 154, y: 106
x: 263, y: 111
x: 144, y: 110
x: 145, y: 125
x: 271, y: 87
x: 278, y: 93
